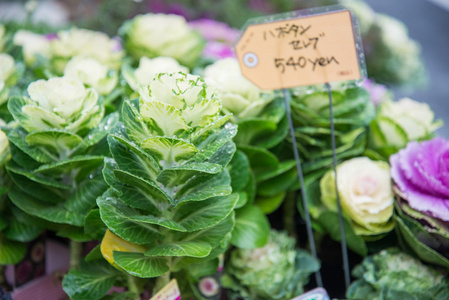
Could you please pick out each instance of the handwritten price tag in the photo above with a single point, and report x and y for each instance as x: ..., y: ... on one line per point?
x: 300, y: 51
x: 169, y: 292
x: 315, y: 294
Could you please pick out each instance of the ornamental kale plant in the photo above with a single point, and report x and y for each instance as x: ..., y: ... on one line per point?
x: 391, y: 274
x: 169, y: 202
x: 275, y: 271
x: 353, y: 112
x: 420, y: 173
x: 57, y: 151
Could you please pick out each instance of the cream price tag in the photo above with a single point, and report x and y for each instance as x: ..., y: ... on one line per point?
x: 299, y: 51
x: 315, y: 294
x: 169, y: 292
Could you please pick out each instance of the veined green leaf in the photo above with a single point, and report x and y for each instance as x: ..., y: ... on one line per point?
x: 224, y: 154
x: 116, y: 216
x: 140, y: 265
x: 130, y: 157
x: 17, y: 136
x: 199, y: 215
x: 269, y: 173
x: 278, y: 184
x: 270, y: 204
x: 21, y: 232
x: 250, y: 130
x: 192, y: 249
x: 152, y: 192
x: 15, y: 105
x: 199, y: 133
x: 163, y: 118
x: 202, y: 113
x: 129, y: 194
x: 11, y: 252
x: 213, y: 235
x: 208, y: 147
x: 204, y: 186
x: 74, y: 233
x: 136, y: 128
x: 50, y: 212
x: 44, y: 193
x: 259, y: 157
x: 93, y: 225
x: 45, y: 180
x: 276, y: 137
x: 171, y: 177
x: 92, y: 281
x: 239, y: 170
x: 84, y: 198
x: 102, y: 130
x: 60, y: 142
x: 85, y: 163
x: 252, y: 228
x: 169, y: 149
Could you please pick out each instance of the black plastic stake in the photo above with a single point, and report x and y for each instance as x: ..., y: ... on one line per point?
x: 344, y: 248
x: 287, y: 99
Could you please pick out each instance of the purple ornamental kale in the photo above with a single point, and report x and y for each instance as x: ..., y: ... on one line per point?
x: 421, y: 173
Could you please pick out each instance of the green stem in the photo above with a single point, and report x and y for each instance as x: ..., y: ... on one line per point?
x: 132, y: 286
x: 76, y: 249
x: 289, y: 214
x: 161, y: 281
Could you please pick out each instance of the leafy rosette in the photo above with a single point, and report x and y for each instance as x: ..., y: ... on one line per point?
x: 275, y: 271
x: 57, y: 148
x: 261, y: 119
x: 392, y: 274
x: 170, y: 202
x: 399, y: 122
x: 353, y: 112
x: 366, y: 198
x: 148, y: 69
x: 420, y: 174
x: 153, y: 35
x: 85, y: 43
x: 92, y: 73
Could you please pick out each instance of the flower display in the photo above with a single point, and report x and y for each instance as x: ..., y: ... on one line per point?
x: 419, y: 172
x: 275, y: 271
x: 219, y: 38
x: 398, y: 122
x: 148, y: 68
x: 154, y: 35
x: 92, y: 73
x: 150, y: 145
x: 366, y: 194
x: 392, y: 274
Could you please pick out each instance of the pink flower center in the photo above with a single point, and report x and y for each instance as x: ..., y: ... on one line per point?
x: 366, y: 185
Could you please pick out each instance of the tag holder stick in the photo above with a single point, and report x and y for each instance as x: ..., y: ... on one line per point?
x: 287, y: 99
x: 344, y: 248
